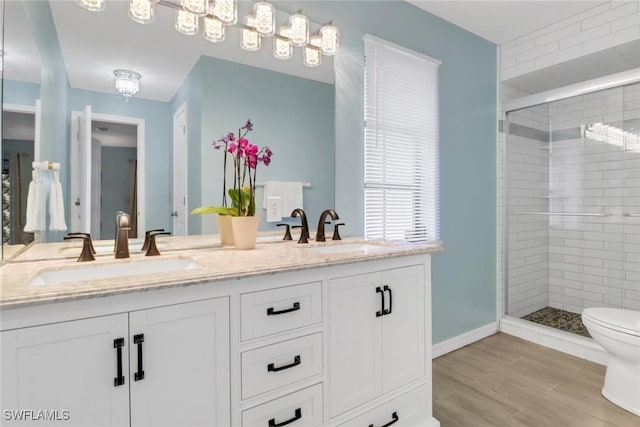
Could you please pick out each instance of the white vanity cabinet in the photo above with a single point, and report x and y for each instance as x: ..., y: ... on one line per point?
x: 346, y: 342
x: 377, y: 334
x: 154, y: 367
x: 68, y: 366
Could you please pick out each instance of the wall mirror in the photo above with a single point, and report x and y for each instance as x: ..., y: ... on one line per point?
x: 119, y: 153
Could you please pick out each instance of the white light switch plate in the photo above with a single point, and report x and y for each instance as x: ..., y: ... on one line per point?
x: 274, y: 209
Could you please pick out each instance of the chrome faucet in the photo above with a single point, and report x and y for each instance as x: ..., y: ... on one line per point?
x: 121, y: 243
x: 304, y: 234
x: 323, y: 217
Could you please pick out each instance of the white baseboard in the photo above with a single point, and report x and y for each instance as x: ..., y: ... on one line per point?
x: 578, y: 346
x: 467, y: 338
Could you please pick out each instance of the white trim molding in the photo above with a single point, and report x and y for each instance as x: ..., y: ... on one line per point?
x: 565, y: 342
x: 465, y: 339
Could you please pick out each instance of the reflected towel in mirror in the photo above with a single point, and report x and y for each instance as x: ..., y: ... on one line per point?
x: 56, y: 205
x: 34, y: 203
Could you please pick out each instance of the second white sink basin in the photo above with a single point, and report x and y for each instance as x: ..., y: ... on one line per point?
x: 113, y: 271
x: 346, y: 247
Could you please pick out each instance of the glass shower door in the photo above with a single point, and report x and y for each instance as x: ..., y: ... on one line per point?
x: 631, y: 247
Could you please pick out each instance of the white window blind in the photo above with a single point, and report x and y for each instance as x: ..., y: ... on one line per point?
x: 401, y: 144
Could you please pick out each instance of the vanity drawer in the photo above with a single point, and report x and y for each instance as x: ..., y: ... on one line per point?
x: 282, y: 309
x: 302, y: 409
x: 407, y: 410
x: 280, y: 364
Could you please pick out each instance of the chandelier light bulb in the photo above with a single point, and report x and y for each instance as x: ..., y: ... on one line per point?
x: 311, y: 56
x: 299, y: 29
x: 330, y: 36
x: 186, y: 23
x: 213, y: 29
x: 225, y: 10
x: 282, y: 49
x: 142, y: 11
x: 93, y: 5
x: 197, y: 7
x: 251, y: 40
x: 265, y: 18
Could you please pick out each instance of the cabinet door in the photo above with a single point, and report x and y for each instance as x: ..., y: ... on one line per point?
x: 64, y: 373
x: 185, y: 359
x: 403, y: 330
x: 354, y: 341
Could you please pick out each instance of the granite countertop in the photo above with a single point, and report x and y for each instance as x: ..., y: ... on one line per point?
x: 212, y: 262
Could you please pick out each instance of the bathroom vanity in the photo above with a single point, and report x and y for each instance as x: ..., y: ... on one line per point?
x: 335, y: 334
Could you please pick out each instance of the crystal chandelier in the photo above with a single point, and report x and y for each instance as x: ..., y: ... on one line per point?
x: 218, y: 14
x: 127, y: 83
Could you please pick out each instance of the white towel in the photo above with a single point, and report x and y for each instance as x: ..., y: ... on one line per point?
x: 56, y: 205
x: 34, y: 203
x: 290, y: 194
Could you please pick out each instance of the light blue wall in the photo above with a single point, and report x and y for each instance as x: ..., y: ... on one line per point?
x: 54, y: 88
x: 158, y: 140
x: 293, y: 116
x: 21, y: 93
x: 464, y: 275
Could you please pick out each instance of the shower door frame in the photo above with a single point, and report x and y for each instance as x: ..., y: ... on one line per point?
x: 546, y: 97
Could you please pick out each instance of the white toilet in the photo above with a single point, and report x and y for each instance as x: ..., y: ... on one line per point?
x: 618, y: 332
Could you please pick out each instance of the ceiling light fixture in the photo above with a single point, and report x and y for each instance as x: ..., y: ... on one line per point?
x: 127, y: 83
x: 218, y: 14
x: 142, y: 11
x: 93, y: 5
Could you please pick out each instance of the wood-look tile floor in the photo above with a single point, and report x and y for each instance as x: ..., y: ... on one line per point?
x: 505, y: 381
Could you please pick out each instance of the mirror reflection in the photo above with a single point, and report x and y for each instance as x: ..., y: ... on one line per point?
x: 151, y: 155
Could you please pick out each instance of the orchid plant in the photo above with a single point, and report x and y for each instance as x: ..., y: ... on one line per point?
x: 245, y: 158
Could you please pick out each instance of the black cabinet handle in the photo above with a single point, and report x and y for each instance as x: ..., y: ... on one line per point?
x: 118, y: 343
x: 296, y: 417
x: 272, y: 368
x: 272, y: 312
x: 380, y: 312
x: 393, y: 421
x: 139, y: 339
x: 387, y: 288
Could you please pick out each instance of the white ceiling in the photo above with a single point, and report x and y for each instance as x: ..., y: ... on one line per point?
x: 506, y: 20
x: 21, y: 58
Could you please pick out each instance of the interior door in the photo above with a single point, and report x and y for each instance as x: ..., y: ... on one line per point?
x: 69, y: 366
x: 179, y: 212
x: 80, y: 172
x: 183, y: 352
x: 96, y: 188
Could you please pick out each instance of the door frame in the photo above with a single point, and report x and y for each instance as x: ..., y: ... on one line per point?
x: 182, y: 109
x: 140, y: 145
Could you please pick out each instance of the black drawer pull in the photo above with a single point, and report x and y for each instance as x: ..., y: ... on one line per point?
x: 118, y: 343
x: 393, y: 421
x: 272, y: 368
x: 272, y: 312
x: 387, y: 288
x: 296, y: 417
x: 380, y: 312
x: 139, y: 339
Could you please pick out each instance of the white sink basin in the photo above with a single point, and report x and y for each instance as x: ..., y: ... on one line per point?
x: 113, y: 270
x: 346, y: 247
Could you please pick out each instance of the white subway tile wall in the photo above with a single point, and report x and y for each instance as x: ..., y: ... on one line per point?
x: 573, y: 262
x: 607, y: 25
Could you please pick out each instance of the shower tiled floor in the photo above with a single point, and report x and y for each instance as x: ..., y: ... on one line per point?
x: 559, y: 319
